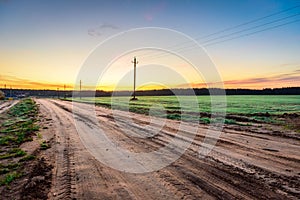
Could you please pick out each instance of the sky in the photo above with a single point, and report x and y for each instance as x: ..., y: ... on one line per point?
x: 252, y: 44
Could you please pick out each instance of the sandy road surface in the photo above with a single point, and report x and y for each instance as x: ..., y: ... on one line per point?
x: 243, y: 165
x: 6, y: 105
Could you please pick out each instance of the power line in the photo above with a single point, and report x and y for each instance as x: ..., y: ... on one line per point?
x: 211, y: 41
x: 254, y: 27
x: 273, y: 27
x: 249, y: 22
x: 234, y: 27
x: 240, y: 36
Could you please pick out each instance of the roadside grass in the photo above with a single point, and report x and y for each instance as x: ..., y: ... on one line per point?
x: 291, y: 123
x: 6, y: 168
x: 10, y: 177
x: 265, y: 119
x: 18, y: 125
x: 39, y: 135
x: 13, y: 153
x: 26, y: 158
x: 44, y: 145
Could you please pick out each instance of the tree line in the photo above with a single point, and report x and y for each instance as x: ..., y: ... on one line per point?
x: 20, y: 93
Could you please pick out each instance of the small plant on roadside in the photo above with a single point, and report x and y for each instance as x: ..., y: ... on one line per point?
x: 204, y: 120
x: 9, y: 178
x: 7, y: 168
x: 44, y: 145
x: 230, y: 121
x: 26, y: 158
x: 13, y: 153
x: 4, y: 170
x: 39, y: 136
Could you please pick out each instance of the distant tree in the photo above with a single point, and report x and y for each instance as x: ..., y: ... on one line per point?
x: 2, y: 95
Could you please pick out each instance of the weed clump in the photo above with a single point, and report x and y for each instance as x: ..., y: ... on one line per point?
x: 44, y: 145
x: 10, y: 177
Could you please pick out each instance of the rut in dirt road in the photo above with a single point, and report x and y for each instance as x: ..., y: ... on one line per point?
x: 62, y: 182
x: 7, y: 105
x: 238, y: 167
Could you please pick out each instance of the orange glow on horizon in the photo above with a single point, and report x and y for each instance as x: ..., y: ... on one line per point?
x: 229, y: 85
x: 276, y: 81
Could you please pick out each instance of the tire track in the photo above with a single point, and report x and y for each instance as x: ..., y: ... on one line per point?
x: 62, y: 182
x: 95, y: 181
x: 7, y: 105
x: 170, y: 180
x: 225, y: 173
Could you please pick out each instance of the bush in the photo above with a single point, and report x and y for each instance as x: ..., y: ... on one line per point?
x: 2, y: 95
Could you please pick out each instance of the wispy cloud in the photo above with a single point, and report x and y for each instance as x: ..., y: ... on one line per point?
x: 192, y: 85
x: 103, y: 29
x: 14, y: 82
x: 20, y: 83
x: 286, y: 79
x: 280, y: 80
x: 153, y: 11
x: 288, y: 65
x: 291, y: 79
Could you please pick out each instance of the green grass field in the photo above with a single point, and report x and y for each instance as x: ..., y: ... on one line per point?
x: 169, y: 106
x: 239, y: 104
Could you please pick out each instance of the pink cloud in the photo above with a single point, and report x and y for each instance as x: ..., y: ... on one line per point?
x: 291, y: 79
x: 153, y: 11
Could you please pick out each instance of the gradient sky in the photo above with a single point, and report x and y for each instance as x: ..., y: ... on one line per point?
x: 44, y: 43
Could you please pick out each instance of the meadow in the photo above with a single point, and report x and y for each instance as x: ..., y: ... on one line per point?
x: 255, y: 107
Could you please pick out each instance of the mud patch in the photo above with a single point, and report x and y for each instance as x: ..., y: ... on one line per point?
x: 39, y: 182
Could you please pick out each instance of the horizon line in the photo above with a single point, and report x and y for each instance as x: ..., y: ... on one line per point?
x: 62, y: 90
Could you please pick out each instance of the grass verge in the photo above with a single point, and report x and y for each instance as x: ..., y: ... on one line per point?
x: 18, y: 125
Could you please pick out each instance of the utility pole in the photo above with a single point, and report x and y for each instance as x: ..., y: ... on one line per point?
x: 80, y: 89
x: 135, y: 62
x: 64, y: 91
x: 58, y: 93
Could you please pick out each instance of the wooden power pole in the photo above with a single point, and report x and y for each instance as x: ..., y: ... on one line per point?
x: 80, y: 89
x: 64, y: 91
x: 135, y: 62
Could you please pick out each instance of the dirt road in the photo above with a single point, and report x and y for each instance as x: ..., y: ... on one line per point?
x: 245, y: 164
x: 6, y: 105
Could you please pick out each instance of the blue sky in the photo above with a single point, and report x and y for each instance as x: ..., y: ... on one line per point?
x: 45, y: 42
